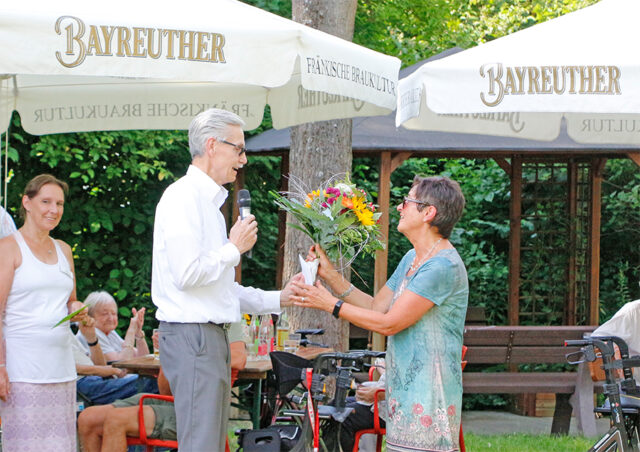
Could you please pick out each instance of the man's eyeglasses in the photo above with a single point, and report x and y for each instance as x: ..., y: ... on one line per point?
x: 239, y: 148
x: 416, y: 201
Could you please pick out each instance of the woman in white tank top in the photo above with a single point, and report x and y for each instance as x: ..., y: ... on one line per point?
x: 37, y: 289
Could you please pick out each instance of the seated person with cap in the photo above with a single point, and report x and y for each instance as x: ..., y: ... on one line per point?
x: 105, y: 428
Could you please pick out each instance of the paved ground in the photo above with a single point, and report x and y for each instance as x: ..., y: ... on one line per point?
x: 502, y: 422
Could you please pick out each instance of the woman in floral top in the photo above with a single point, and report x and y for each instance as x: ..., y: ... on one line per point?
x: 421, y: 309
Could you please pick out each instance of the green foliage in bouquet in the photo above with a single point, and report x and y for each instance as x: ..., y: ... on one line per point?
x: 337, y: 215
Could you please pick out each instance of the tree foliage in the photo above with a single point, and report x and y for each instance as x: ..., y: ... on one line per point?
x: 116, y: 178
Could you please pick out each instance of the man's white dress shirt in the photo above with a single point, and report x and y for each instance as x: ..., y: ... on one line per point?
x: 193, y: 276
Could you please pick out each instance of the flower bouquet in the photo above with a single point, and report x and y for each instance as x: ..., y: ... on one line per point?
x: 337, y: 215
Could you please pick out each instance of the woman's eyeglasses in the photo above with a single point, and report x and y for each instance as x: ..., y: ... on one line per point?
x: 416, y: 201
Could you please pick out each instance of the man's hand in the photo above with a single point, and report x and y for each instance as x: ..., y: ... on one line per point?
x: 244, y: 234
x: 366, y: 393
x: 287, y: 292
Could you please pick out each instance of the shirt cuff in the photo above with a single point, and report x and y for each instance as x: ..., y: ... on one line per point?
x: 230, y: 254
x: 271, y: 301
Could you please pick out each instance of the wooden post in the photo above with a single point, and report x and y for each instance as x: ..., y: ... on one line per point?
x: 597, y: 168
x: 570, y: 304
x: 382, y: 256
x: 387, y: 166
x: 635, y: 156
x: 515, y: 213
x: 282, y: 220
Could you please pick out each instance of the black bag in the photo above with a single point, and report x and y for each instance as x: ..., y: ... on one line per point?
x: 276, y: 438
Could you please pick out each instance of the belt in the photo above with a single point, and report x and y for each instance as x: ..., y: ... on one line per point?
x: 224, y: 326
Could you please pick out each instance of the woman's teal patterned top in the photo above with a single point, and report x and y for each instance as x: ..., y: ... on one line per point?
x: 424, y: 374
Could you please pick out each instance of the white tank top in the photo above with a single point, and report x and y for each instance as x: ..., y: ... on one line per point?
x: 37, y: 352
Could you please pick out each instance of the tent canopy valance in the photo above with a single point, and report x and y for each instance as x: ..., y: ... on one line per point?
x: 577, y: 68
x: 70, y: 66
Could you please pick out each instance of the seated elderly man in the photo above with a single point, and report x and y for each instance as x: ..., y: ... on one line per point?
x: 105, y: 428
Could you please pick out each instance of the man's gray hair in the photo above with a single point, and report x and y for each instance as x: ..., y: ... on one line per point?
x: 210, y: 123
x: 98, y: 298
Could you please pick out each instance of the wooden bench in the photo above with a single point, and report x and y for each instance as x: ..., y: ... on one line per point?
x: 532, y: 345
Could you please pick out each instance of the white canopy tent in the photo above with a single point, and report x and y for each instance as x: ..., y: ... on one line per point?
x: 71, y: 65
x: 77, y: 66
x: 579, y: 67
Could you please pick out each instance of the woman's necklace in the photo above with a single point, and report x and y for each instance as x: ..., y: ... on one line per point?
x: 417, y: 265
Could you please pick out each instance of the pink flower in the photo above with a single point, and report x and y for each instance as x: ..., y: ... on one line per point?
x: 426, y: 421
x: 451, y: 411
x: 333, y: 191
x: 417, y: 408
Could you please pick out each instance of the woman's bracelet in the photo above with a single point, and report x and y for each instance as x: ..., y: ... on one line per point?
x: 346, y: 292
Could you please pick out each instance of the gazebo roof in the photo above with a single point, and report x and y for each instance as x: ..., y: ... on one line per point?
x: 375, y: 134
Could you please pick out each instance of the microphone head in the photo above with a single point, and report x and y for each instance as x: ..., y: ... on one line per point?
x: 244, y: 198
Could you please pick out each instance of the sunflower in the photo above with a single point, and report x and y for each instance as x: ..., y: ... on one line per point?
x: 362, y: 212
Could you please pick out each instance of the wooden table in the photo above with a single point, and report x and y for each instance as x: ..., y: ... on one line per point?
x: 254, y: 370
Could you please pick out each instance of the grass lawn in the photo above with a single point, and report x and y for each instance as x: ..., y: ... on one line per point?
x: 526, y: 443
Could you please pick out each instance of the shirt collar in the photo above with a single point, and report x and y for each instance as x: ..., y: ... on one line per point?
x: 209, y: 188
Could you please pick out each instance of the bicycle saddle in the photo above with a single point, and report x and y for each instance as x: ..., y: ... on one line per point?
x: 630, y: 405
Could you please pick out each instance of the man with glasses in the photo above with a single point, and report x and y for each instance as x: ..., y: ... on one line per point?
x: 193, y: 280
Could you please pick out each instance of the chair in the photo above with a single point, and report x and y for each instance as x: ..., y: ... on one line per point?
x: 377, y: 429
x: 380, y: 432
x: 150, y: 443
x: 143, y: 439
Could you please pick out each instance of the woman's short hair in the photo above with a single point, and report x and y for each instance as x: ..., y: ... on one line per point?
x: 446, y: 196
x: 213, y: 122
x: 35, y: 185
x: 96, y: 299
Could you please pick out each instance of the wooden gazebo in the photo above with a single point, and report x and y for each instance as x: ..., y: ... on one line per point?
x: 561, y: 171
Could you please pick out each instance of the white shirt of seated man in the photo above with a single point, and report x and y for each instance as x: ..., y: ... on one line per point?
x: 626, y: 325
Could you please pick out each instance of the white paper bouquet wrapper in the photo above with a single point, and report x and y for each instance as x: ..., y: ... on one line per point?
x: 309, y: 270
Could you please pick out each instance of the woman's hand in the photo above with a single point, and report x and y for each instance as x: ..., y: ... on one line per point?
x: 81, y: 316
x: 4, y: 384
x: 316, y: 297
x: 137, y: 320
x: 366, y: 394
x: 88, y: 328
x: 326, y: 270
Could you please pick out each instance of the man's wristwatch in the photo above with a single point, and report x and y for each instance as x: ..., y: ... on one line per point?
x: 93, y: 344
x: 336, y: 308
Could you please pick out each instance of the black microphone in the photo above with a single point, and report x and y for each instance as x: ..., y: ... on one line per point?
x: 244, y: 206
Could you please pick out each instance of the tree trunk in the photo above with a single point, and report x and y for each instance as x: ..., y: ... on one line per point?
x: 318, y: 151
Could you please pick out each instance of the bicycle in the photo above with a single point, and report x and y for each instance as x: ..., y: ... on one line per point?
x: 304, y: 435
x: 623, y: 398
